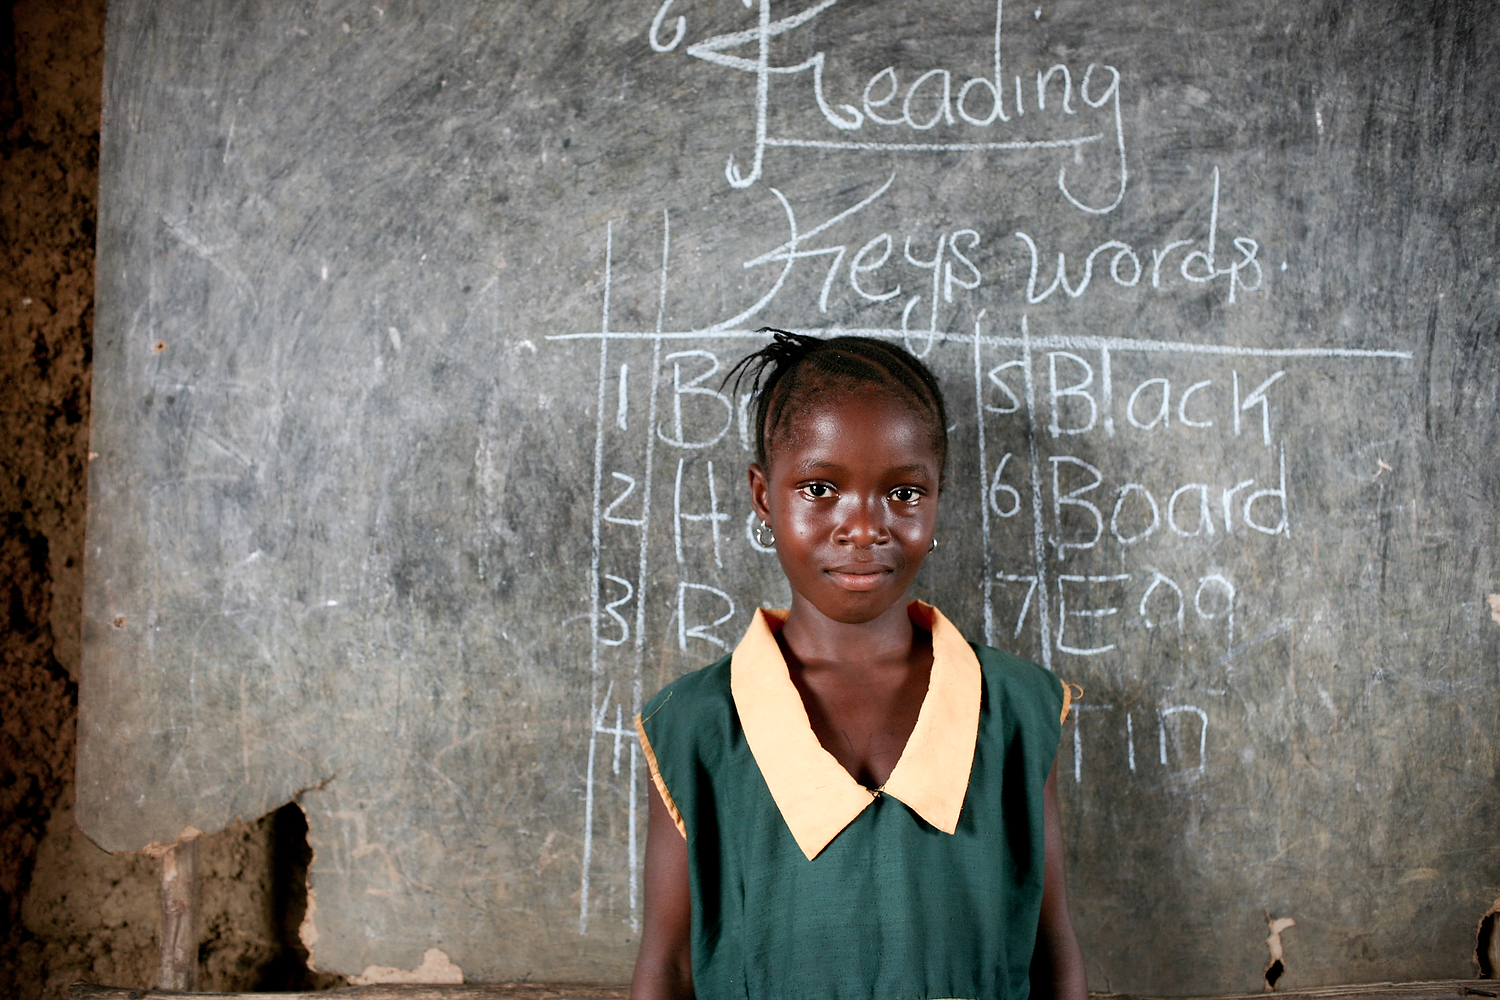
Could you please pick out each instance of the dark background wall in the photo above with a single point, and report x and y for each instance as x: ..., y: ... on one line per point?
x: 68, y: 910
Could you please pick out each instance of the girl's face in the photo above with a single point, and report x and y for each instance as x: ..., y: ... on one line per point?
x: 851, y: 495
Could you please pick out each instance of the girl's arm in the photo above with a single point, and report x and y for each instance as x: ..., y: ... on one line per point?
x: 1057, y: 971
x: 664, y: 967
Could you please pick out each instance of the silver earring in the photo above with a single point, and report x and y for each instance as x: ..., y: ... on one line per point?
x: 764, y: 536
x: 933, y: 546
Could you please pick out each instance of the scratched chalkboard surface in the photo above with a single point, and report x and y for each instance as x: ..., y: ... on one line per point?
x: 414, y: 473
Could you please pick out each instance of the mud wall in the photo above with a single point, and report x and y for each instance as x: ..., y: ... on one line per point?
x: 69, y: 910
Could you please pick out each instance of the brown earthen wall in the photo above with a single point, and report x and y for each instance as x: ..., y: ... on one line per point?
x: 68, y: 910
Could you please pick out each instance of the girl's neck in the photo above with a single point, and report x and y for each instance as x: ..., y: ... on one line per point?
x: 812, y: 638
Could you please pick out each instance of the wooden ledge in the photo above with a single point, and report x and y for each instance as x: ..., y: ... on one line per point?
x: 1439, y: 989
x: 1446, y: 989
x: 475, y: 991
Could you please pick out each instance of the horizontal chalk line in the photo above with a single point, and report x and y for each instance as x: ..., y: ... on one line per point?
x: 932, y: 147
x: 1083, y: 343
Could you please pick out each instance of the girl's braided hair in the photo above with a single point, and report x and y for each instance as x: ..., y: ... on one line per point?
x: 795, y: 365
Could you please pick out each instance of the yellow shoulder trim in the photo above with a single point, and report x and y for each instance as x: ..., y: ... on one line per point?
x: 1069, y: 697
x: 661, y: 786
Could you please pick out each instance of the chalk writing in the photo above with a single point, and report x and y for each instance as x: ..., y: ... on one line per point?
x: 1199, y: 267
x: 1181, y: 738
x: 1085, y: 551
x: 957, y: 262
x: 1094, y: 550
x: 933, y: 100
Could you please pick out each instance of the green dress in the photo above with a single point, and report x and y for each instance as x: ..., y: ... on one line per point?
x: 807, y: 885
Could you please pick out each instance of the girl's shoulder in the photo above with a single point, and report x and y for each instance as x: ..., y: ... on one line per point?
x: 1021, y: 683
x: 691, y: 700
x: 1003, y: 663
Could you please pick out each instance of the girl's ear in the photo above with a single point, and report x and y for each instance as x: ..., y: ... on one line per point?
x: 760, y: 492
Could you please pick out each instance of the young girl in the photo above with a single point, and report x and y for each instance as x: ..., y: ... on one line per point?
x: 856, y: 802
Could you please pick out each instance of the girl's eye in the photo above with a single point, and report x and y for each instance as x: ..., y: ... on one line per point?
x: 816, y: 491
x: 906, y: 494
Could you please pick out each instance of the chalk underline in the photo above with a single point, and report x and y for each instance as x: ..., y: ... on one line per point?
x: 931, y: 147
x: 1087, y: 343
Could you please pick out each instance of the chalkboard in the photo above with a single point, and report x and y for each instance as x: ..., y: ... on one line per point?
x: 414, y: 474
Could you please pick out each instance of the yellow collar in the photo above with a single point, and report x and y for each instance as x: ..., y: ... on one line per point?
x: 816, y: 796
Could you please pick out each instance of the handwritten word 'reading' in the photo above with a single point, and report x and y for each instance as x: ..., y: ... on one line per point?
x: 933, y: 98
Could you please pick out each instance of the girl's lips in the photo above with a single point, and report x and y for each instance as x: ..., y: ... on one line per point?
x: 859, y: 576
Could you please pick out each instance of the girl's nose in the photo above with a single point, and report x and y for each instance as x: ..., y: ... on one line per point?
x: 864, y: 524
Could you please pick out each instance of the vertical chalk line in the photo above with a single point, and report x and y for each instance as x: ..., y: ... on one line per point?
x: 588, y: 792
x: 1038, y: 530
x: 999, y: 17
x: 762, y: 89
x: 1213, y: 228
x: 619, y: 732
x: 762, y: 97
x: 1106, y: 392
x: 984, y: 487
x: 635, y: 879
x: 677, y: 516
x: 623, y: 397
x: 637, y: 682
x: 1077, y: 746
